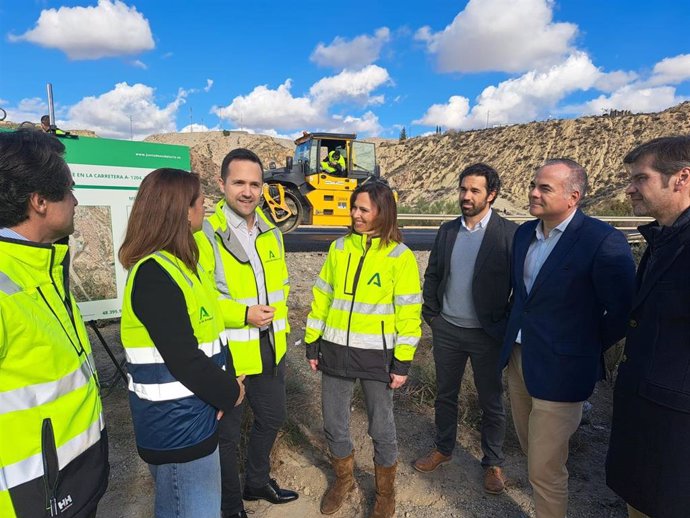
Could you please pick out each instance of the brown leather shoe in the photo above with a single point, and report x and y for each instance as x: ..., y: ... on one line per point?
x: 431, y: 461
x: 494, y: 480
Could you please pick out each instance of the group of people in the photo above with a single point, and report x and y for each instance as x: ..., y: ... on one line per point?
x: 204, y: 326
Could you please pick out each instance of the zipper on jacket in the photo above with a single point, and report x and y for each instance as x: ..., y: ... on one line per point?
x: 385, y: 348
x: 355, y: 282
x: 66, y: 302
x: 270, y: 342
x: 51, y: 471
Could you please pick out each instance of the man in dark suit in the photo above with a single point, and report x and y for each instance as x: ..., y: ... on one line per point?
x: 573, y: 279
x: 648, y: 457
x: 466, y: 290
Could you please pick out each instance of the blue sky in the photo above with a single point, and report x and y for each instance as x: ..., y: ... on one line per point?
x: 137, y: 67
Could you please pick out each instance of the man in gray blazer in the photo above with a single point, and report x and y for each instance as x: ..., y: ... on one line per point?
x: 466, y: 291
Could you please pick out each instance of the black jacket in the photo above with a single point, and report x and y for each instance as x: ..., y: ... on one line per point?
x: 491, y: 281
x: 648, y: 457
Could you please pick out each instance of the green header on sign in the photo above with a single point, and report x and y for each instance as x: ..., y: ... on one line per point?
x: 125, y: 153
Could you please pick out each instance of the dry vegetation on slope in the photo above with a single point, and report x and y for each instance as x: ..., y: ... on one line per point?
x: 424, y: 169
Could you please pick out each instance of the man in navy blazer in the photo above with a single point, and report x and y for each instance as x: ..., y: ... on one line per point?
x: 573, y: 280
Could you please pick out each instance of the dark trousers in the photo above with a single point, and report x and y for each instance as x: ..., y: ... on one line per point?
x: 453, y: 345
x: 265, y: 393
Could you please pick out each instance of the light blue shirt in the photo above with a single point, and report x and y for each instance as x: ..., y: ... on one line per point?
x: 9, y: 233
x: 538, y: 252
x: 482, y: 223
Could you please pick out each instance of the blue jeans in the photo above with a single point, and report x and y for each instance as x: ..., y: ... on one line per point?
x: 188, y: 489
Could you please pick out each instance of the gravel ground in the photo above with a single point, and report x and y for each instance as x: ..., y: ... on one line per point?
x: 300, y: 461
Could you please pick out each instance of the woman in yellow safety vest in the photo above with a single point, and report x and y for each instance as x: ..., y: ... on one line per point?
x: 365, y: 322
x: 181, y: 377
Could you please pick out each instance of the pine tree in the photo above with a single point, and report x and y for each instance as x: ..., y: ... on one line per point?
x: 403, y: 134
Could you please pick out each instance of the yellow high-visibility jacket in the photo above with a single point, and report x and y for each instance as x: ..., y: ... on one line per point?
x: 365, y: 319
x: 222, y: 255
x: 53, y: 445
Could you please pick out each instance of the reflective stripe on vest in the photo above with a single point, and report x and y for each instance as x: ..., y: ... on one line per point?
x: 7, y: 285
x: 32, y: 467
x: 31, y: 396
x: 357, y: 340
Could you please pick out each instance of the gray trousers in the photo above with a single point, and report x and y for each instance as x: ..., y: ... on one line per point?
x: 336, y: 399
x: 453, y: 345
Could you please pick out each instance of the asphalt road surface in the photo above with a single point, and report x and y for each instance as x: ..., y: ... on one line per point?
x: 318, y: 239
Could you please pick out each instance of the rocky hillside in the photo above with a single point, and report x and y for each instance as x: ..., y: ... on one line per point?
x: 207, y: 150
x: 425, y: 169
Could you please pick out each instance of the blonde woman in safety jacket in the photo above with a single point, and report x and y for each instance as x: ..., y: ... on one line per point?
x: 365, y: 324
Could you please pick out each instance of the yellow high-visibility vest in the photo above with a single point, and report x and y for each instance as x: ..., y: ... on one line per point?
x: 221, y: 254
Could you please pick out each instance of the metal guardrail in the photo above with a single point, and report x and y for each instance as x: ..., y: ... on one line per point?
x: 521, y: 219
x: 626, y: 224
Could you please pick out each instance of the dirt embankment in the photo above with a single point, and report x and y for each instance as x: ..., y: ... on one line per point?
x: 425, y: 169
x: 300, y: 461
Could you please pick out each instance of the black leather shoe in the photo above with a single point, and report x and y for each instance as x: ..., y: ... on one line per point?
x: 241, y: 514
x: 271, y: 492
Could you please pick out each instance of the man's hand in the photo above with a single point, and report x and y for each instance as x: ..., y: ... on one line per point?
x: 240, y: 382
x: 260, y: 315
x: 397, y: 381
x: 314, y: 364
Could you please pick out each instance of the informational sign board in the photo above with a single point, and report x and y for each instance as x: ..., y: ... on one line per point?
x: 107, y: 174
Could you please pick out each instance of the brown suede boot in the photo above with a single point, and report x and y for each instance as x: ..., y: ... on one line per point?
x: 385, y: 492
x: 344, y: 483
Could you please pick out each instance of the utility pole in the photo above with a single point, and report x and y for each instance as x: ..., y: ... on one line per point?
x: 191, y: 126
x: 487, y: 117
x: 131, y: 129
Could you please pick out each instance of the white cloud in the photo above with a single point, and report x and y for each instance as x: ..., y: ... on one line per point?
x: 528, y: 97
x: 636, y: 98
x: 612, y: 81
x: 109, y: 114
x: 198, y: 128
x: 209, y: 85
x: 450, y: 115
x: 670, y: 71
x: 139, y: 64
x: 351, y: 86
x: 366, y: 124
x: 265, y: 109
x: 500, y: 35
x: 29, y: 109
x: 277, y: 109
x: 353, y: 54
x: 109, y: 29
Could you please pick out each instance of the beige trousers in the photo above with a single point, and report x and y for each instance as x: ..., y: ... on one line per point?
x: 544, y: 429
x: 634, y: 513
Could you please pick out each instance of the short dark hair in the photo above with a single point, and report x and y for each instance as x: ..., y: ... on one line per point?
x: 45, y: 119
x: 577, y: 179
x: 493, y: 181
x: 239, y: 153
x: 30, y: 162
x: 669, y: 154
x: 382, y: 197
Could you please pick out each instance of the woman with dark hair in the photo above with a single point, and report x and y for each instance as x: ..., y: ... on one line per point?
x: 365, y: 322
x: 181, y: 378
